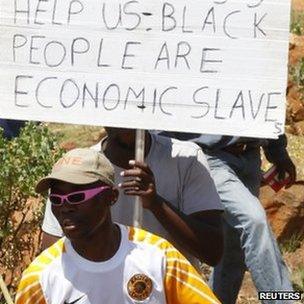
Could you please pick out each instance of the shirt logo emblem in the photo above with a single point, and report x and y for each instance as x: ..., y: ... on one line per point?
x: 140, y: 287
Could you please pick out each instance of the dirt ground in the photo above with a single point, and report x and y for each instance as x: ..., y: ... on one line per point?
x: 248, y: 294
x: 298, y: 5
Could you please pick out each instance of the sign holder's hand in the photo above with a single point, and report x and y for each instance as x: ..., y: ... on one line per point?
x: 140, y: 182
x: 287, y: 166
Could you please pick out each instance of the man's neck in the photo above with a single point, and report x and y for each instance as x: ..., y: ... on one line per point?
x: 99, y: 247
x: 119, y: 154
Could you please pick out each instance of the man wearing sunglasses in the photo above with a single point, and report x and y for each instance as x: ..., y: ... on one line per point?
x: 100, y: 261
x: 178, y: 195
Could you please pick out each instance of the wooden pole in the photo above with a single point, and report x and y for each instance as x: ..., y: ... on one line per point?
x: 5, y: 292
x: 139, y: 156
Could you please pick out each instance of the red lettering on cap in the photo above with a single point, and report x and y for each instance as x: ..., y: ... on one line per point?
x: 76, y: 161
x: 69, y: 161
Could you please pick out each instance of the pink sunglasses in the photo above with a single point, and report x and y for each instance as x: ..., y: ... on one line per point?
x: 77, y: 197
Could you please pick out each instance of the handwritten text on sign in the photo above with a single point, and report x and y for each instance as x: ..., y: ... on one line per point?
x: 215, y: 66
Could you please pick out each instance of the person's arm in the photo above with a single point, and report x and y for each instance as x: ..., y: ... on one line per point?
x: 200, y: 233
x: 183, y: 284
x: 277, y: 154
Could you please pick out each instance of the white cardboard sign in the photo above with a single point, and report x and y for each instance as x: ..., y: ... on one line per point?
x: 216, y: 67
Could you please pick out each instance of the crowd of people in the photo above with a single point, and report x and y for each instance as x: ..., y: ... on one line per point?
x: 199, y: 192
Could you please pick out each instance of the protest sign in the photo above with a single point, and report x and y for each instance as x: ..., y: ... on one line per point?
x: 216, y: 67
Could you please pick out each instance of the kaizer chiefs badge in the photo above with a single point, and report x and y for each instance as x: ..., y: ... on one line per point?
x: 140, y: 287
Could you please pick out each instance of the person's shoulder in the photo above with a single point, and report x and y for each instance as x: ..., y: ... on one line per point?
x: 46, y: 257
x: 171, y: 151
x: 157, y: 245
x: 141, y: 236
x: 30, y: 284
x: 176, y: 147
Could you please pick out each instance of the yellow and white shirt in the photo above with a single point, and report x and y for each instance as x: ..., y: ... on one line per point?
x: 145, y: 269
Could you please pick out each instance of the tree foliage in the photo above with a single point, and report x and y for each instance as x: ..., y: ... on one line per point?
x: 24, y: 160
x: 297, y: 74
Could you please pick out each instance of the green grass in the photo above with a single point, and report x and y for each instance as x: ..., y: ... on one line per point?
x: 80, y: 135
x: 295, y: 148
x: 298, y: 279
x: 297, y: 23
x: 292, y: 244
x: 297, y: 75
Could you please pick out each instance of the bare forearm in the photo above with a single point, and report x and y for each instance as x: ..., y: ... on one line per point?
x: 201, y: 239
x: 199, y: 234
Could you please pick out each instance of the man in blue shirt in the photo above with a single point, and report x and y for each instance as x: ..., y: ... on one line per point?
x: 249, y: 243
